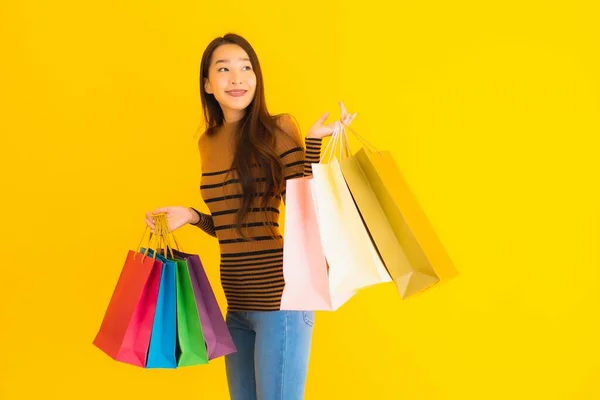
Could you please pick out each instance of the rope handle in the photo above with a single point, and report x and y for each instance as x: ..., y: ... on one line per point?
x: 339, y: 138
x: 162, y: 236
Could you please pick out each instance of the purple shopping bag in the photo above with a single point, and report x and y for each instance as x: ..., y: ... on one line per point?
x: 216, y: 334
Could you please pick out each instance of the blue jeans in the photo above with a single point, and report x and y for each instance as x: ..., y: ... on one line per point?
x: 273, y: 348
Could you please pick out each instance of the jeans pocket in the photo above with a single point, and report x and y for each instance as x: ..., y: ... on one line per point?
x: 309, y: 317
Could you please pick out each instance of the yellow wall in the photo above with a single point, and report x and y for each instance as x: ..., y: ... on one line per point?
x: 491, y: 111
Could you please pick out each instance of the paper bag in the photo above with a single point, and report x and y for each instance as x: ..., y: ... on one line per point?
x: 125, y: 331
x: 412, y: 229
x: 305, y: 269
x: 191, y: 347
x: 216, y: 334
x: 163, y: 342
x: 354, y: 262
x: 411, y: 275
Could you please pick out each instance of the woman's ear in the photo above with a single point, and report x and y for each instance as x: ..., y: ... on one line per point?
x: 207, y: 88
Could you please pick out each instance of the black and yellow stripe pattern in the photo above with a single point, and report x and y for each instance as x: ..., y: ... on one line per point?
x: 251, y: 268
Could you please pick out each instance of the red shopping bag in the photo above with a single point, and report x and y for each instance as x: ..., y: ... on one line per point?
x: 125, y: 331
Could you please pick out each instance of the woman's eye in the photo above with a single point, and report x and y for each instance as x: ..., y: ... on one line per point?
x: 247, y: 68
x: 222, y: 69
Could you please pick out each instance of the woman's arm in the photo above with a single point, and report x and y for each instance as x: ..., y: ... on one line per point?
x: 203, y: 221
x: 298, y: 160
x: 297, y: 154
x: 312, y: 153
x: 200, y: 219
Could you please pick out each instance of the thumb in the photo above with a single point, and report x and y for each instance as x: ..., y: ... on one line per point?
x: 323, y: 118
x: 161, y: 210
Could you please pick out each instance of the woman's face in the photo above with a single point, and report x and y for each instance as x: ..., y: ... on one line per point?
x: 231, y: 80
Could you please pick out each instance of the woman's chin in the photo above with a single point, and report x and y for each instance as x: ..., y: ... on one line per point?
x: 237, y: 106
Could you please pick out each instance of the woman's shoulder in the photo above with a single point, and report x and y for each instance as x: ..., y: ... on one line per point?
x: 289, y: 135
x: 202, y: 142
x: 288, y: 124
x: 207, y: 136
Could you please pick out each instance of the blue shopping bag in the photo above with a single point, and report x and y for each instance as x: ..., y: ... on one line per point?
x: 162, y: 352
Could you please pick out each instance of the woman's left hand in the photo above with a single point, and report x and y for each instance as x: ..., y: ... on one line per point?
x: 320, y: 130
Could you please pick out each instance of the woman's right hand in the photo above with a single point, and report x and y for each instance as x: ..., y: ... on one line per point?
x: 177, y: 217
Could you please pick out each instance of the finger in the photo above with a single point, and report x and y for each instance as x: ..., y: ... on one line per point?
x: 323, y: 118
x: 150, y: 226
x: 352, y: 118
x: 161, y: 210
x: 343, y: 111
x: 346, y: 119
x: 321, y: 121
x: 149, y: 220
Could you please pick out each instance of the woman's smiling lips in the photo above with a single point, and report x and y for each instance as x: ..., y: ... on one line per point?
x: 236, y: 92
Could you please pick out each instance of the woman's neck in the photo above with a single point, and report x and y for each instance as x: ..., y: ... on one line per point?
x: 232, y: 116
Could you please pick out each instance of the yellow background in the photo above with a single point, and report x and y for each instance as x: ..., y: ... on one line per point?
x: 491, y: 110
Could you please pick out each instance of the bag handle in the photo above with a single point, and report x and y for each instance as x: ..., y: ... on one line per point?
x: 162, y: 235
x: 338, y: 138
x: 168, y: 235
x: 368, y: 145
x: 149, y: 244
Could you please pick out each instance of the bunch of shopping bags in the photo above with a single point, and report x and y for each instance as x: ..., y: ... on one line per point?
x: 163, y: 312
x: 355, y: 224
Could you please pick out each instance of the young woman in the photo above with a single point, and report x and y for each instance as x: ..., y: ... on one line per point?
x: 247, y: 155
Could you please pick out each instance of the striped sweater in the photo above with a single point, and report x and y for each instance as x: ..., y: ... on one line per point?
x: 251, y: 270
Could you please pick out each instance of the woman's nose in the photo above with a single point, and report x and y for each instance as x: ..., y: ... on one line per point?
x: 236, y: 79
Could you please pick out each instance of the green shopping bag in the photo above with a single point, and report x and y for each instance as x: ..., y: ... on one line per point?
x: 191, y: 347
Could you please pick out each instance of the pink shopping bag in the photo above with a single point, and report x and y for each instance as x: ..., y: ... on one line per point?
x: 305, y: 269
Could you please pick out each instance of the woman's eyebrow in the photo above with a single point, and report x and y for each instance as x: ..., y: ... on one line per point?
x: 225, y: 61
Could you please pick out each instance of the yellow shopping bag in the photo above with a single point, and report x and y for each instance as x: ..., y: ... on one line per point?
x: 402, y: 233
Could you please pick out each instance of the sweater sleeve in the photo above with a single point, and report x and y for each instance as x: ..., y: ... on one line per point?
x: 313, y: 154
x: 205, y: 223
x: 297, y: 154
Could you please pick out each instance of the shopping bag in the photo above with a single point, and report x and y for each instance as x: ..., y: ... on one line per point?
x: 410, y: 275
x: 404, y: 236
x: 191, y: 349
x: 404, y: 212
x: 353, y: 260
x: 125, y: 331
x: 216, y: 334
x: 305, y: 270
x: 163, y: 341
